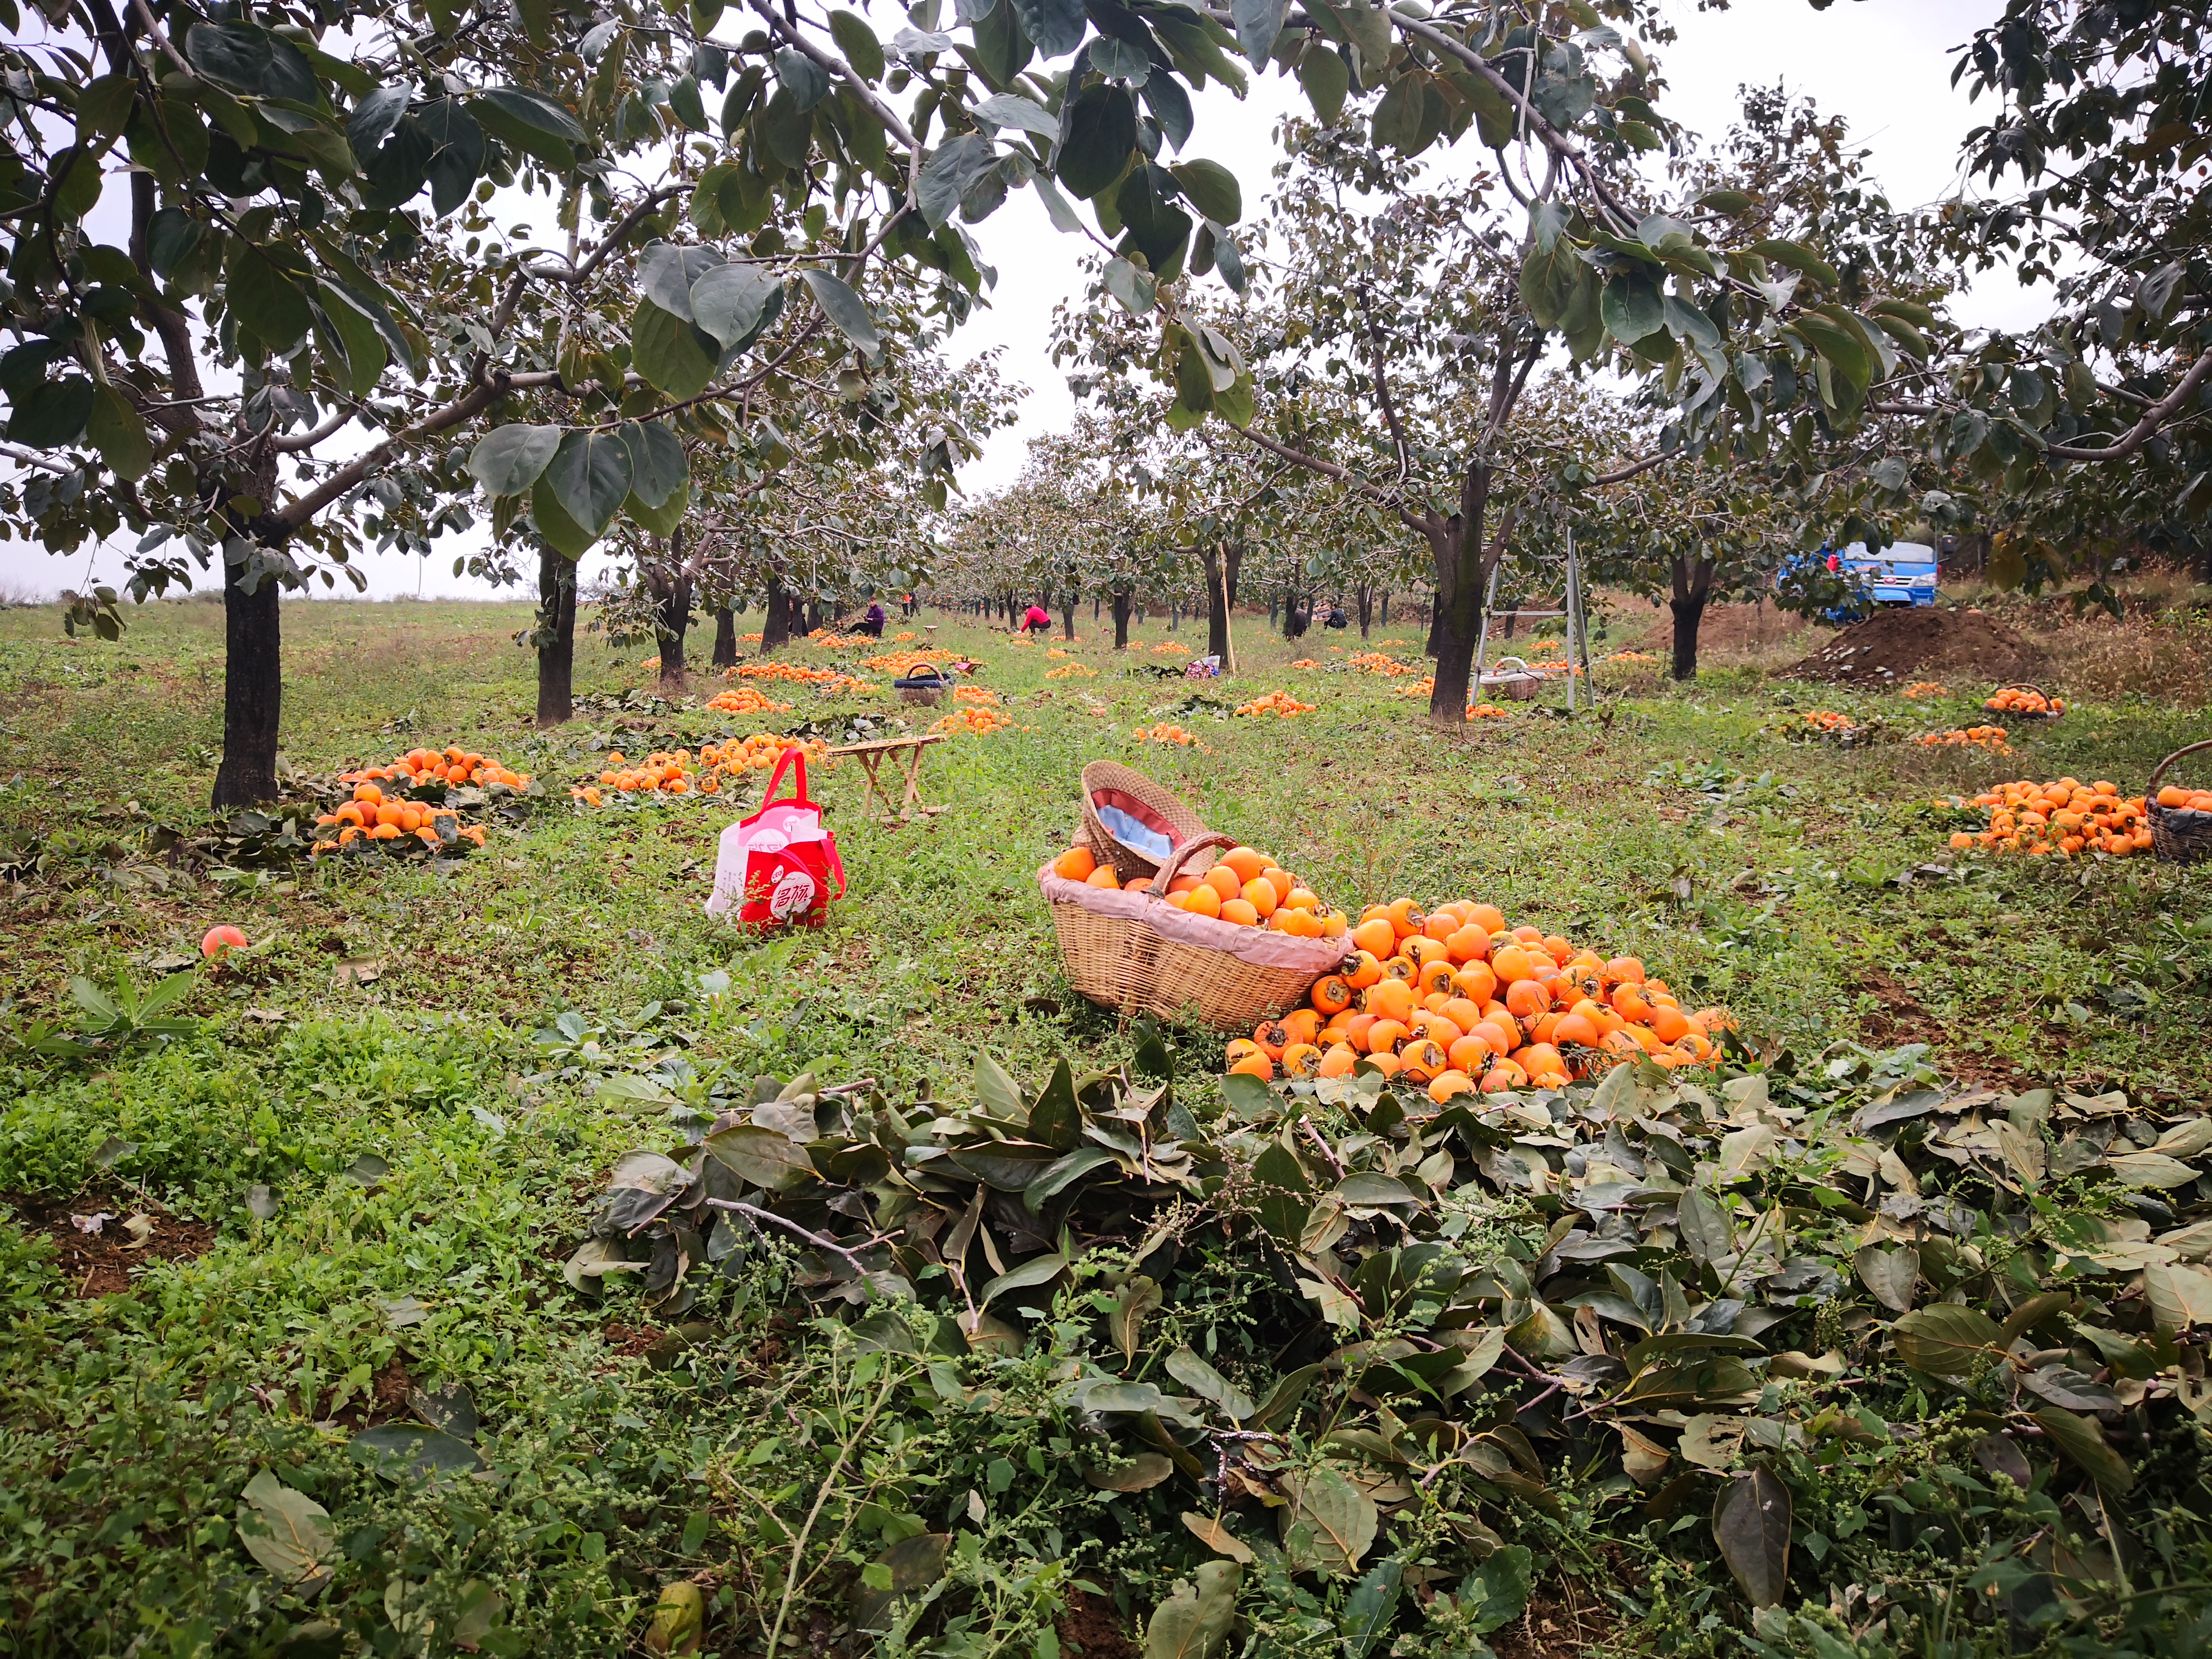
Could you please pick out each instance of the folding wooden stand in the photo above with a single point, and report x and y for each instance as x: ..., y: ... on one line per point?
x: 872, y: 757
x: 1571, y: 612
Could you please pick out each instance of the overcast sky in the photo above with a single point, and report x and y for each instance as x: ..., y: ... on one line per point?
x: 1886, y: 64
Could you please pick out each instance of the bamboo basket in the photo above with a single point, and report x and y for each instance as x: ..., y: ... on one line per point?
x: 1130, y: 950
x: 2176, y: 834
x: 2021, y: 714
x: 1519, y: 684
x: 1182, y: 821
x: 926, y: 685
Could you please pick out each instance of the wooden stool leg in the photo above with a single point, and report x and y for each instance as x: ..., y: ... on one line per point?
x: 914, y: 785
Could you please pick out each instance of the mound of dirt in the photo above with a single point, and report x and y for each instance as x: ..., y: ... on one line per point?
x: 1925, y: 644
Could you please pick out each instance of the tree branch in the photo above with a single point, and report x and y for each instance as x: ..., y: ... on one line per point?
x: 2144, y: 430
x: 293, y: 444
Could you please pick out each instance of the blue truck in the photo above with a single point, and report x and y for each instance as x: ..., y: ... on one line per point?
x: 1902, y: 574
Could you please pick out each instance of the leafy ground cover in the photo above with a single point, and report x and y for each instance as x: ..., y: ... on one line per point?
x: 370, y: 1289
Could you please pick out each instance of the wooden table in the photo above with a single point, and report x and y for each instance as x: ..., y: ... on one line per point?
x: 908, y: 750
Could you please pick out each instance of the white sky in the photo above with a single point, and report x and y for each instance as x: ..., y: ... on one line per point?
x: 1886, y: 64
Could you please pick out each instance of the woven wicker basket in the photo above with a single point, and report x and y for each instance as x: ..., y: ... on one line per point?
x: 1183, y: 822
x: 1130, y: 950
x: 2176, y: 834
x: 1520, y: 683
x: 926, y: 685
x: 2021, y: 714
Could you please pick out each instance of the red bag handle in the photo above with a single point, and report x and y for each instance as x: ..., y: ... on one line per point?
x: 776, y: 778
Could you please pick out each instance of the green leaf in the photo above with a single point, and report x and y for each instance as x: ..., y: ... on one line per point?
x: 1002, y: 50
x: 844, y: 308
x: 590, y: 474
x: 1367, y: 1610
x: 1945, y: 1339
x: 1212, y: 189
x: 1202, y: 1380
x: 248, y: 58
x: 115, y: 429
x: 1890, y: 1275
x: 1056, y: 26
x: 1139, y: 1471
x: 732, y: 302
x: 1258, y: 24
x: 761, y: 1157
x: 103, y: 108
x: 1062, y: 1173
x: 1751, y: 1524
x: 914, y: 1565
x: 52, y: 413
x: 806, y: 80
x: 1098, y: 130
x: 678, y: 357
x: 1706, y: 1232
x: 2083, y: 1441
x: 567, y: 537
x: 1329, y: 1524
x: 351, y: 335
x: 659, y: 467
x: 531, y: 122
x: 1631, y: 307
x: 263, y: 296
x: 1282, y: 1206
x: 414, y: 1449
x: 666, y: 518
x: 1195, y: 1621
x: 508, y: 459
x: 1136, y: 289
x: 286, y: 1531
x: 1155, y: 229
x: 1054, y: 1117
x: 1731, y: 202
x: 684, y: 99
x: 858, y: 42
x: 1039, y: 1271
x: 1011, y: 109
x: 1795, y: 256
x: 1328, y: 81
x: 946, y: 175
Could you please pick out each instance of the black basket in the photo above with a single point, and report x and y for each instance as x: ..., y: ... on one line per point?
x: 2176, y: 834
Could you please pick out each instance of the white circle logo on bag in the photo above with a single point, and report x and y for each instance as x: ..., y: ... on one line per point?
x: 793, y: 896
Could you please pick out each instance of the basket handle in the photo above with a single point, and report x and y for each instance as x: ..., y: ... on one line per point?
x: 1175, y: 860
x: 2159, y: 771
x: 1500, y: 662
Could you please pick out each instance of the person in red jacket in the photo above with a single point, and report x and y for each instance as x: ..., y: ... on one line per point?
x: 1036, y: 620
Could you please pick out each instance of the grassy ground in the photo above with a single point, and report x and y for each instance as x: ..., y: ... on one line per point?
x: 389, y: 1015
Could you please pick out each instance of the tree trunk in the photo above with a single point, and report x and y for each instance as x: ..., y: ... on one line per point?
x: 1274, y: 604
x: 775, y: 626
x: 1385, y: 607
x: 671, y: 621
x: 252, y: 689
x: 1222, y: 563
x: 1094, y: 607
x: 725, y: 636
x: 1694, y: 585
x: 1365, y: 597
x: 1067, y: 616
x: 1123, y: 604
x: 556, y: 625
x: 1463, y: 563
x: 1175, y: 613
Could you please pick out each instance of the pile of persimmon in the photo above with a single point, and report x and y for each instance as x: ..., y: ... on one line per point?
x: 1922, y: 689
x: 1991, y: 737
x: 1244, y: 886
x: 1276, y: 702
x: 1454, y: 1001
x: 1073, y: 670
x: 980, y: 721
x: 423, y: 768
x: 783, y: 671
x: 2065, y: 816
x: 2176, y: 798
x: 373, y: 817
x: 1165, y: 732
x: 1171, y: 649
x: 1375, y: 662
x: 905, y: 662
x: 746, y: 701
x: 2018, y: 700
x: 980, y: 698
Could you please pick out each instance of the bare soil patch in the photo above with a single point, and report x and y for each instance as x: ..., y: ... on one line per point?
x: 1892, y: 646
x: 103, y: 1261
x: 1095, y: 1629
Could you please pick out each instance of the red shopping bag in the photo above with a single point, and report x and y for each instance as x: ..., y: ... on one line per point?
x: 779, y: 868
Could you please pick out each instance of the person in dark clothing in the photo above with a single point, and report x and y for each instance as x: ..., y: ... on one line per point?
x: 1337, y: 618
x: 872, y: 623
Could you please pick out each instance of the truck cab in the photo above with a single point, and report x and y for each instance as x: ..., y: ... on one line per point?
x: 1900, y: 576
